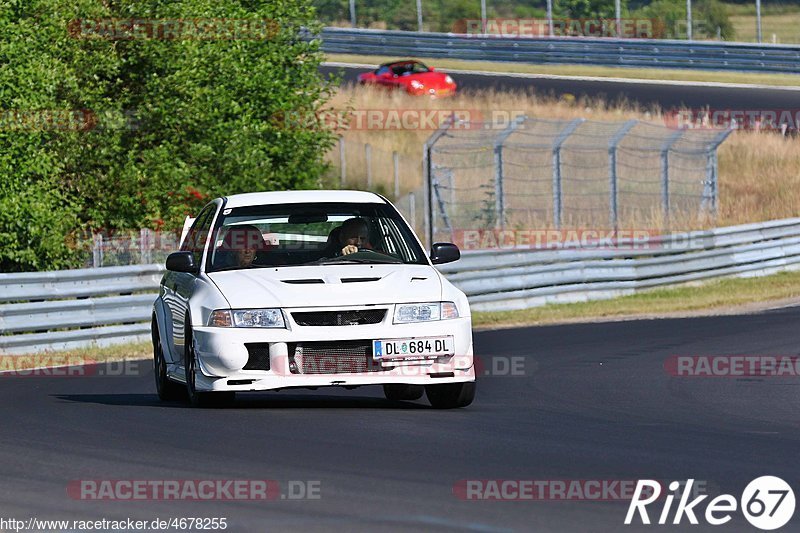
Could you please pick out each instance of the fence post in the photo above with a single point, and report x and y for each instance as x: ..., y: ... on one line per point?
x: 711, y: 188
x: 412, y: 210
x: 396, y: 163
x: 144, y: 246
x: 562, y: 136
x: 665, y: 148
x: 342, y: 162
x: 427, y: 175
x: 368, y: 158
x: 499, y: 193
x: 612, y: 171
x: 97, y: 250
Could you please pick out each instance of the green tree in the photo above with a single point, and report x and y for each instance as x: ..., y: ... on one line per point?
x: 174, y: 121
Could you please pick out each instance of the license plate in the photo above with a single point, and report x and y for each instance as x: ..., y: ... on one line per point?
x: 413, y: 347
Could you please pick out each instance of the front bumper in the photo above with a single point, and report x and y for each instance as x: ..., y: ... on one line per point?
x: 222, y: 355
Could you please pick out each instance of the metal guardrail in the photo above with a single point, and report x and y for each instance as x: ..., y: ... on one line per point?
x: 566, y: 50
x: 517, y: 279
x: 67, y: 309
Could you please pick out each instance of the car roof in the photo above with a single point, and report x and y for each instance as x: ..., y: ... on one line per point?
x: 296, y: 197
x: 400, y: 61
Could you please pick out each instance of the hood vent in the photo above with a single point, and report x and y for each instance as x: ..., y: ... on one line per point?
x: 302, y: 281
x: 358, y: 280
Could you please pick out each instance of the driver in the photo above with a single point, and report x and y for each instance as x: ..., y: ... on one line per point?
x: 240, y: 246
x: 354, y: 236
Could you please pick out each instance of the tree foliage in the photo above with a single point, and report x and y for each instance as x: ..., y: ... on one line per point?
x: 171, y: 122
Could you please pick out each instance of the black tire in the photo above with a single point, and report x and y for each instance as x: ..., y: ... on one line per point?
x: 167, y: 390
x: 451, y: 395
x: 200, y: 398
x: 398, y: 392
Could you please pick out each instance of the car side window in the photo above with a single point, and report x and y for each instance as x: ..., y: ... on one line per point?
x: 382, y: 70
x: 197, y: 236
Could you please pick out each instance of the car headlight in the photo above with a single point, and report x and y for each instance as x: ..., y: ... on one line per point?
x: 416, y: 84
x: 449, y: 80
x: 425, y: 312
x: 247, y: 318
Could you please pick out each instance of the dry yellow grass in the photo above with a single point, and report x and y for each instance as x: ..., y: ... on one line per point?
x: 759, y: 173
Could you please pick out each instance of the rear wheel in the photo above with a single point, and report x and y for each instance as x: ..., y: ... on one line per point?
x: 167, y: 390
x: 403, y: 392
x: 451, y: 395
x: 200, y: 398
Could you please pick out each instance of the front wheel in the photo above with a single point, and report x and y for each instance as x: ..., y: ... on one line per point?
x: 200, y: 398
x: 451, y: 395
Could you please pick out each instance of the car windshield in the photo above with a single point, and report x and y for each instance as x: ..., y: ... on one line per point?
x: 311, y: 234
x: 416, y: 67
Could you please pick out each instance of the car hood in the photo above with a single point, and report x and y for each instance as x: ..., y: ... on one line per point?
x: 328, y: 285
x: 430, y: 77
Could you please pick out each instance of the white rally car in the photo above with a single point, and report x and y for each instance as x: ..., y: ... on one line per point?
x: 310, y: 289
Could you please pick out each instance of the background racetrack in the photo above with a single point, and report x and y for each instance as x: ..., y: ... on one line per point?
x: 594, y: 402
x: 666, y: 95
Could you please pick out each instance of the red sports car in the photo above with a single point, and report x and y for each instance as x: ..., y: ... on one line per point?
x: 411, y: 76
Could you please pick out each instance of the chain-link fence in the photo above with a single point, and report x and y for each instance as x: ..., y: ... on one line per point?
x: 392, y: 173
x: 536, y: 173
x: 124, y: 248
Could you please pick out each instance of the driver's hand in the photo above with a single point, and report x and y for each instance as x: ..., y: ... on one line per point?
x: 349, y: 249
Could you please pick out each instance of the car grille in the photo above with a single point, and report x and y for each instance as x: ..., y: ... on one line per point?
x: 337, y: 357
x: 339, y: 318
x: 258, y: 356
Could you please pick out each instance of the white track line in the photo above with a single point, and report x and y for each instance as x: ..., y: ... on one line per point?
x: 681, y: 83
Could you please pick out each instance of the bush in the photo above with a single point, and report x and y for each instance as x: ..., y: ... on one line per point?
x: 173, y: 122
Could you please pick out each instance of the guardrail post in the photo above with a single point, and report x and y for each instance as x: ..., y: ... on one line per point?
x: 562, y: 136
x: 368, y: 159
x: 427, y: 176
x: 665, y: 148
x: 499, y: 193
x: 612, y: 171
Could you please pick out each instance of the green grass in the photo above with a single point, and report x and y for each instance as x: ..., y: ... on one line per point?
x: 78, y: 356
x: 586, y: 70
x: 782, y: 20
x: 724, y: 295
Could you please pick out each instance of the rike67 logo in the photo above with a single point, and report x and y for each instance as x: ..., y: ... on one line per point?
x: 767, y: 503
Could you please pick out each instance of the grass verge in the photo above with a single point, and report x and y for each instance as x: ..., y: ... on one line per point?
x: 724, y: 296
x: 78, y: 356
x: 588, y: 70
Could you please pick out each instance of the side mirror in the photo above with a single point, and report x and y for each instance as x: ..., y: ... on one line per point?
x: 181, y: 262
x: 444, y: 252
x: 431, y: 69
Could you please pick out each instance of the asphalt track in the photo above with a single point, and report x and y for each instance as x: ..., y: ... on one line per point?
x: 593, y: 401
x: 645, y: 94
